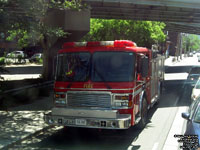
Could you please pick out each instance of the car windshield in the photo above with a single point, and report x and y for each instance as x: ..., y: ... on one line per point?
x: 195, y: 70
x: 197, y: 115
x: 197, y: 86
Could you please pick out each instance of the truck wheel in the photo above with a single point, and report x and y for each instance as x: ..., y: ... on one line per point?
x: 143, y: 121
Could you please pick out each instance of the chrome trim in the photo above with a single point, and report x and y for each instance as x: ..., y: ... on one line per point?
x: 153, y: 101
x: 140, y: 100
x: 89, y: 113
x: 89, y: 92
x: 137, y: 119
x: 137, y: 92
x: 89, y: 99
x: 123, y: 121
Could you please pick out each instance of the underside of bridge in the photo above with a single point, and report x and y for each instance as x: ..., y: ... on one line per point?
x: 179, y: 15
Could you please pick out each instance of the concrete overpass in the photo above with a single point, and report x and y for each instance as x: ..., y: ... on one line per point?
x: 179, y: 15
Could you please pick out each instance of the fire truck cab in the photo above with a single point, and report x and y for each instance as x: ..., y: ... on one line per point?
x: 106, y: 84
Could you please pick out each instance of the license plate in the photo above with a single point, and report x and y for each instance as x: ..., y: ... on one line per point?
x: 81, y: 122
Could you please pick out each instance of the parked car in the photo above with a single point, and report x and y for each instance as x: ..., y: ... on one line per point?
x: 16, y: 54
x: 193, y: 119
x: 198, y: 56
x: 196, y: 91
x: 35, y: 57
x: 193, y: 76
x: 190, y: 55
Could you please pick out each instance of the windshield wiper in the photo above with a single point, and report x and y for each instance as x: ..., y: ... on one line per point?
x: 102, y: 77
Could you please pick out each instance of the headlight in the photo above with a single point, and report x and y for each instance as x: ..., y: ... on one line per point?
x: 60, y: 99
x: 122, y: 101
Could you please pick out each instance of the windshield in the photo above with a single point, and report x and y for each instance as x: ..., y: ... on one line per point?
x: 197, y: 86
x: 195, y: 70
x: 112, y: 66
x: 106, y: 67
x: 197, y: 115
x: 73, y: 67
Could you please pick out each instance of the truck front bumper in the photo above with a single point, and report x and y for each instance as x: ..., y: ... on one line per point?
x: 121, y: 121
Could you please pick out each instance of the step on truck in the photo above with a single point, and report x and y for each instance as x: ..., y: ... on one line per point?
x: 106, y: 85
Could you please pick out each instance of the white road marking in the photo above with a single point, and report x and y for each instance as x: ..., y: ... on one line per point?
x: 130, y: 147
x: 155, y: 146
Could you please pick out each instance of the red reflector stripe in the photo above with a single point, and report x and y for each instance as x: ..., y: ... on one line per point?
x: 91, y: 44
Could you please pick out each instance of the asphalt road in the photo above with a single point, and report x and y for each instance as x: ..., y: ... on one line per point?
x: 152, y: 137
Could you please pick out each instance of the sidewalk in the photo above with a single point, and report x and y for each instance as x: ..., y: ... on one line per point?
x: 24, y: 121
x: 171, y: 60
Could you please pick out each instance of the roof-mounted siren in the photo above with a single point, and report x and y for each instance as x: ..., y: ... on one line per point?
x: 116, y: 43
x: 155, y: 50
x: 73, y: 44
x: 124, y: 43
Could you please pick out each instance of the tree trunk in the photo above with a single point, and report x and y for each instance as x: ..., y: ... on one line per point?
x: 49, y: 55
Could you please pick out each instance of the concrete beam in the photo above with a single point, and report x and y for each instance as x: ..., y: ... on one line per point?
x: 191, y: 4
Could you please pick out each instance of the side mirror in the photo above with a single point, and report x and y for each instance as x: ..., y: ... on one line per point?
x: 144, y: 66
x: 185, y: 116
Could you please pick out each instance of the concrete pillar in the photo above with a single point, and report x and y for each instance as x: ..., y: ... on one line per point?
x: 173, y: 39
x: 75, y: 23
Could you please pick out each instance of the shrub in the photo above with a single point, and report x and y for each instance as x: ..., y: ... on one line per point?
x: 8, y: 62
x: 19, y: 58
x: 2, y: 61
x: 39, y: 60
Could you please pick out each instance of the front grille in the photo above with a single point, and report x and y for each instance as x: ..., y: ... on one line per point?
x: 85, y: 99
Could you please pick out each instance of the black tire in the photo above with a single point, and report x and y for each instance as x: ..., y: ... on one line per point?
x: 144, y: 112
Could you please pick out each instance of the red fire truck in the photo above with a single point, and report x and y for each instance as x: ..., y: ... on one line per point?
x: 106, y: 84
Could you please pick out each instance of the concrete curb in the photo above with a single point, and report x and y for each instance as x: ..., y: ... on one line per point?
x: 26, y: 137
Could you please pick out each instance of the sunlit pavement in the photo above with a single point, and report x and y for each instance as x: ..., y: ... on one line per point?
x: 23, y: 121
x: 16, y: 125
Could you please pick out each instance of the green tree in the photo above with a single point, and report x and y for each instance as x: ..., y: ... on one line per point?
x: 144, y: 33
x: 191, y: 42
x: 22, y: 20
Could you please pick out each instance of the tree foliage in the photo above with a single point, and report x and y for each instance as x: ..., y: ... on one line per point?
x: 191, y: 42
x: 144, y: 33
x: 23, y: 19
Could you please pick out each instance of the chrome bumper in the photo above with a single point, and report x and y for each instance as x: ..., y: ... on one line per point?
x: 120, y: 121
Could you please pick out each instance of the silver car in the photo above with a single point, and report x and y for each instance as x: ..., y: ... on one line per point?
x: 196, y: 91
x: 16, y: 54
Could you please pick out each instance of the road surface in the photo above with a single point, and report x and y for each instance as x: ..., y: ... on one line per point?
x: 153, y: 137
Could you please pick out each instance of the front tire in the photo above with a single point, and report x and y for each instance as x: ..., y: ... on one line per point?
x: 143, y: 121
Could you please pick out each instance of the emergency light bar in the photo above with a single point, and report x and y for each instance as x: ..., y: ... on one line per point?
x: 116, y: 43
